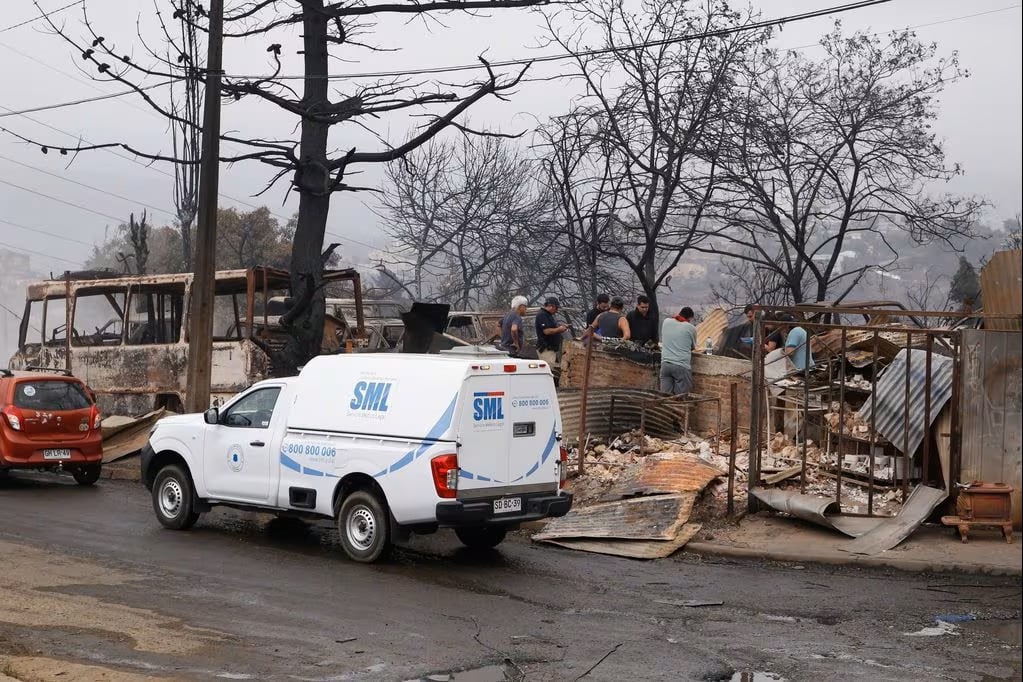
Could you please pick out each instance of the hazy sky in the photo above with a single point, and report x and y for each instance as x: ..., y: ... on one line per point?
x: 980, y: 117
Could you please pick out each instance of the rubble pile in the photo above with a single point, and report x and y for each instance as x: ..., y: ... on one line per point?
x: 605, y: 463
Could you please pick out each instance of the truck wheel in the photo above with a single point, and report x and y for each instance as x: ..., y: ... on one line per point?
x: 86, y: 474
x: 481, y: 537
x: 173, y: 498
x: 364, y: 527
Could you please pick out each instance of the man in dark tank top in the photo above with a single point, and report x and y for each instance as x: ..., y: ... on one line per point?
x: 612, y: 324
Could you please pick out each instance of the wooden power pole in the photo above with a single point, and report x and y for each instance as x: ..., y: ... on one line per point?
x: 200, y: 315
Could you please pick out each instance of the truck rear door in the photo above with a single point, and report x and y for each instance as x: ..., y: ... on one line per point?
x: 508, y: 436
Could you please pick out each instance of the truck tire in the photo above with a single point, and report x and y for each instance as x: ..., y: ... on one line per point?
x: 86, y: 474
x: 481, y: 537
x: 364, y: 525
x: 174, y: 498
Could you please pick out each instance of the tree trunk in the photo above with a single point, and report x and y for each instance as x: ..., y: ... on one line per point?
x: 312, y: 179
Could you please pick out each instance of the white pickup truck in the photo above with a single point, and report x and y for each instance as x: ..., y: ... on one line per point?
x: 386, y: 444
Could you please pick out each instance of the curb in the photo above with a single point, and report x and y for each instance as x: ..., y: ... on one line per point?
x: 121, y: 473
x: 910, y: 565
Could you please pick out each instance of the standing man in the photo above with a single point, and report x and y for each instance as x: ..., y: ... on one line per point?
x: 797, y: 348
x: 549, y: 333
x: 612, y: 324
x: 600, y: 306
x: 642, y: 325
x: 678, y: 339
x: 511, y: 327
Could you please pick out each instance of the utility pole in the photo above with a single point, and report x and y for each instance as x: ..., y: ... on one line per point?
x: 200, y: 314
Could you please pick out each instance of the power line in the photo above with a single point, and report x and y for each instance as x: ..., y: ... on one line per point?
x: 767, y: 23
x: 44, y: 255
x: 509, y: 62
x: 41, y: 16
x: 89, y: 187
x: 86, y: 100
x: 48, y: 234
x: 61, y: 201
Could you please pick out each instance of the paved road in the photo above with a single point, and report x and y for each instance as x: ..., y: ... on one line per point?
x: 87, y: 575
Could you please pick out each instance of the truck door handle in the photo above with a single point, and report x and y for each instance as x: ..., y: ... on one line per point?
x: 257, y: 443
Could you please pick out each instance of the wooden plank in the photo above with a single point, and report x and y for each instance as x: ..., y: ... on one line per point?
x: 780, y: 476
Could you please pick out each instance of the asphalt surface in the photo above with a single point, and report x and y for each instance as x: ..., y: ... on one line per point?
x: 247, y: 596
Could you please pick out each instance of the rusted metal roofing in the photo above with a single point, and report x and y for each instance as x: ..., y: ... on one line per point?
x: 632, y: 549
x: 890, y: 398
x: 664, y: 473
x: 657, y: 517
x: 662, y: 418
x: 1001, y: 287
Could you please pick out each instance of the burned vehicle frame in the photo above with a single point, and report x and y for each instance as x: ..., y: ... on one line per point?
x: 127, y: 336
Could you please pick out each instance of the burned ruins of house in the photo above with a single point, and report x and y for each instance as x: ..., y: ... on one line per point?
x: 894, y: 420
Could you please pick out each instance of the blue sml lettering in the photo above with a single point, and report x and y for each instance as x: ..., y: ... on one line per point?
x: 370, y: 396
x: 486, y: 409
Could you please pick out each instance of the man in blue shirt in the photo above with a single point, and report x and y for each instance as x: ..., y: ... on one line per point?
x: 797, y: 348
x: 511, y: 327
x: 678, y: 339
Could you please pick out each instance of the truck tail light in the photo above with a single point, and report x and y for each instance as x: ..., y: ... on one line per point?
x: 95, y: 419
x: 445, y: 475
x: 510, y: 368
x: 13, y: 416
x: 563, y: 467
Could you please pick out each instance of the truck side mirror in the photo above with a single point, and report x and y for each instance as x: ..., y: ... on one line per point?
x: 211, y: 416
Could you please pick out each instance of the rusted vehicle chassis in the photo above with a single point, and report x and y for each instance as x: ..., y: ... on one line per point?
x: 127, y: 337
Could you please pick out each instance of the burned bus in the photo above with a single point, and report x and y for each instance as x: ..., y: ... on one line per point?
x: 127, y: 336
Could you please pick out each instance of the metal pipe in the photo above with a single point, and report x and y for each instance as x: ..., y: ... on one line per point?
x: 873, y: 428
x: 806, y: 408
x: 584, y: 395
x: 840, y: 455
x: 733, y: 444
x: 907, y: 461
x: 955, y: 442
x: 927, y: 411
x: 755, y: 410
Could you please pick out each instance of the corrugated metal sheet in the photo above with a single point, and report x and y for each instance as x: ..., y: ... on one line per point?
x: 890, y: 397
x: 663, y: 419
x: 666, y: 473
x: 632, y: 549
x: 713, y: 325
x: 991, y: 411
x: 1001, y: 287
x: 657, y: 517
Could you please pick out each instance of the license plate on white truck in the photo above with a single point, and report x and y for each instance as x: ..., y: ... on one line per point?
x: 507, y: 504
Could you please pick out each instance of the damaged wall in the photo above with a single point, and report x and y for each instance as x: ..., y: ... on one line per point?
x: 712, y: 377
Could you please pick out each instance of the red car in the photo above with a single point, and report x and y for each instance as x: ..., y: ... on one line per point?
x: 50, y: 422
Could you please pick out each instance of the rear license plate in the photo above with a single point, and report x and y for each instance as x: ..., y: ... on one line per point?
x: 57, y: 454
x: 507, y: 504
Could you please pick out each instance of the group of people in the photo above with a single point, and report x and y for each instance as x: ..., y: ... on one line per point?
x: 608, y: 320
x: 676, y: 335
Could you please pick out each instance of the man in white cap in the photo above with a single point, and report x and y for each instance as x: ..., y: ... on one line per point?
x: 511, y: 327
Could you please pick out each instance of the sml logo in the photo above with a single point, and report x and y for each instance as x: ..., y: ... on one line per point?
x: 488, y: 406
x: 371, y: 396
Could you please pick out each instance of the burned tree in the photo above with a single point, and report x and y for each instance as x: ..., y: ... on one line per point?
x: 466, y: 221
x: 186, y: 132
x: 825, y: 158
x: 647, y: 135
x: 316, y: 165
